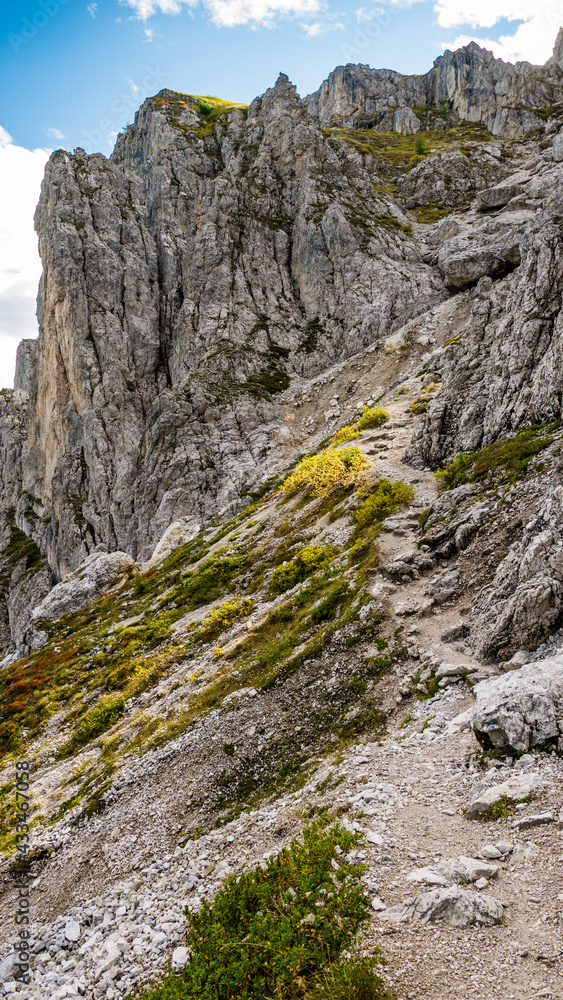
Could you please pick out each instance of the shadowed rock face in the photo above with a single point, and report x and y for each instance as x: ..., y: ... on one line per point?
x: 469, y: 82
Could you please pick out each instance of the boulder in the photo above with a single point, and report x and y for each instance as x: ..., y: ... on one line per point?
x: 180, y: 958
x: 72, y: 930
x: 455, y: 906
x: 459, y: 630
x: 516, y: 789
x: 462, y: 262
x: 100, y: 571
x: 496, y: 197
x: 7, y: 966
x: 444, y: 586
x: 453, y: 871
x: 522, y: 708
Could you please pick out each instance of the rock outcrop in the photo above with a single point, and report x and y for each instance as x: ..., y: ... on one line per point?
x: 521, y: 709
x: 524, y: 601
x: 455, y: 906
x: 470, y: 83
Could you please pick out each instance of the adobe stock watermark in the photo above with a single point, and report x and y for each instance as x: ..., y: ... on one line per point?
x: 125, y: 104
x: 22, y: 871
x: 31, y: 26
x: 379, y: 19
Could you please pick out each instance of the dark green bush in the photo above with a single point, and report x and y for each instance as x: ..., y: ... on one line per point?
x: 385, y: 499
x: 208, y: 582
x: 94, y: 723
x: 264, y: 934
x: 326, y: 609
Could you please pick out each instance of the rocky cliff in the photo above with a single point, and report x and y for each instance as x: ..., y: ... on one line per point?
x: 223, y: 254
x: 470, y: 82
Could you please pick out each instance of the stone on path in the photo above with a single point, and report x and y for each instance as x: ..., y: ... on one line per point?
x: 455, y: 906
x: 516, y: 788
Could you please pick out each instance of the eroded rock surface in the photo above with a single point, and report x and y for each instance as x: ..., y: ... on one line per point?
x: 470, y: 82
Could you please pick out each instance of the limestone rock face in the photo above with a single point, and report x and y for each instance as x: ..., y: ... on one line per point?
x: 186, y: 281
x: 509, y: 369
x: 525, y: 598
x: 470, y: 83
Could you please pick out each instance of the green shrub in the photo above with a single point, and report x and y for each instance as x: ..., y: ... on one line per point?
x: 270, y: 932
x: 205, y: 584
x: 420, y: 147
x: 419, y: 406
x: 423, y: 517
x: 385, y: 499
x: 330, y: 469
x: 369, y: 418
x: 309, y: 559
x: 373, y: 418
x: 507, y: 458
x: 139, y: 585
x: 357, y: 685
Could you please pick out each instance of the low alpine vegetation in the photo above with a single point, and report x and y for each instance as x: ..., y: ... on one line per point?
x: 306, y: 562
x: 279, y: 930
x: 220, y: 619
x: 507, y: 459
x: 369, y: 418
x: 330, y: 470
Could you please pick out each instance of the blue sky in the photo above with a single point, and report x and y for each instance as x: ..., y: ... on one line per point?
x: 73, y: 72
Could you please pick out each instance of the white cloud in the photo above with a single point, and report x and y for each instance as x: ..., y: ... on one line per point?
x: 322, y: 27
x: 229, y: 13
x: 133, y: 86
x: 371, y: 13
x: 92, y: 9
x: 21, y: 172
x: 535, y: 25
x: 54, y: 133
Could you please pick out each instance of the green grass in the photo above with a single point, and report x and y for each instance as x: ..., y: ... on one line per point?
x: 507, y: 459
x: 276, y: 931
x: 93, y: 724
x: 399, y: 152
